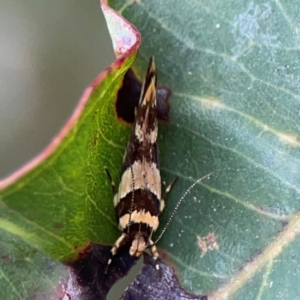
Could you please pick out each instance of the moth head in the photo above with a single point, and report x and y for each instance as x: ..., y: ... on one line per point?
x: 138, y: 245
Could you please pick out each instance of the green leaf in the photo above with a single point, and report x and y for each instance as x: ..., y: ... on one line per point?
x: 233, y: 70
x: 62, y: 200
x: 26, y: 273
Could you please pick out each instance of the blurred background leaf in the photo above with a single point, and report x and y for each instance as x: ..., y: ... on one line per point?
x: 49, y: 52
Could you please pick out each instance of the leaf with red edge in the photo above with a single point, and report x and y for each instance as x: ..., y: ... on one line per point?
x: 61, y: 200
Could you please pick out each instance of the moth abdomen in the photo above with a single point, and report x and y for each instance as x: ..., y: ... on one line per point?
x: 144, y: 200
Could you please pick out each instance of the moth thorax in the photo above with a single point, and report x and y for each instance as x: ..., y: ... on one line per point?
x: 138, y: 245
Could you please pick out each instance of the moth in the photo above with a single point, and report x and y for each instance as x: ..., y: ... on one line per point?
x: 138, y: 202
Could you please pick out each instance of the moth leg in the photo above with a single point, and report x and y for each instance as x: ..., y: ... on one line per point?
x: 170, y: 186
x: 167, y: 191
x: 161, y: 205
x: 112, y: 183
x: 154, y: 253
x: 114, y: 250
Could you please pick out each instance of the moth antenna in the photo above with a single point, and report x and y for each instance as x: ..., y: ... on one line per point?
x: 132, y: 201
x: 178, y: 204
